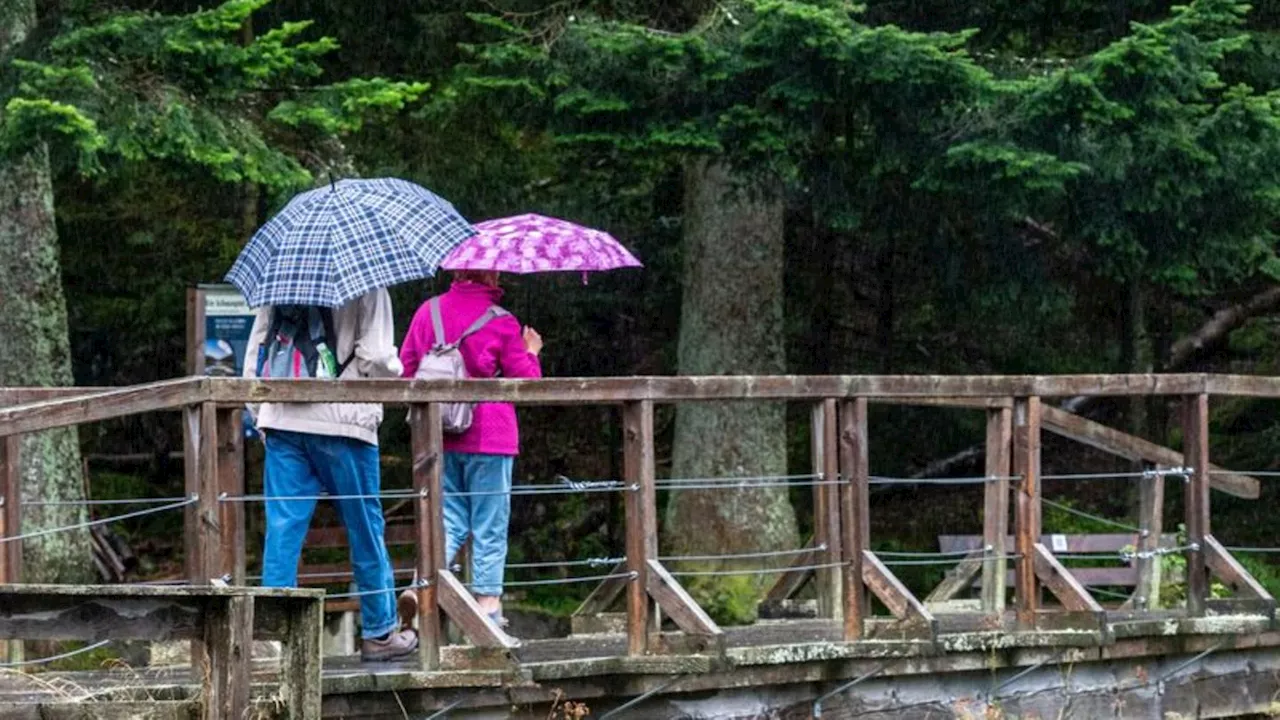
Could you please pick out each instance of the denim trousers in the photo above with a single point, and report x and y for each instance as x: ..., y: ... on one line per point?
x: 303, y: 465
x: 477, y: 503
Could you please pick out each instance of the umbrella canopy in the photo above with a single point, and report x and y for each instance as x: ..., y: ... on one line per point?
x: 333, y: 244
x: 534, y: 244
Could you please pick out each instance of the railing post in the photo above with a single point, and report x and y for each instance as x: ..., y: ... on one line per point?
x: 202, y: 535
x: 231, y: 483
x: 428, y: 467
x: 1195, y: 451
x: 855, y: 516
x: 10, y: 526
x: 1026, y: 464
x: 826, y: 506
x: 641, y: 519
x: 995, y: 513
x: 1151, y: 527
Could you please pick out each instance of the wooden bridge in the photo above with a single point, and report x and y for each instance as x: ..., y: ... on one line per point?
x: 1018, y: 650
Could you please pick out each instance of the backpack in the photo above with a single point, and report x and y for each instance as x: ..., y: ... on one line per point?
x: 300, y: 343
x: 444, y: 362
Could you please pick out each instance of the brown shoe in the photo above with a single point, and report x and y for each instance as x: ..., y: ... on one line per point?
x: 407, y: 608
x: 399, y: 644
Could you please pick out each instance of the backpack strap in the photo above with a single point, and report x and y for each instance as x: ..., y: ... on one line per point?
x: 437, y: 324
x: 326, y: 318
x: 273, y: 329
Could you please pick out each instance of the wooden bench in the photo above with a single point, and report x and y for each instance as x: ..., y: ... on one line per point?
x: 222, y: 622
x: 1124, y: 576
x: 400, y: 533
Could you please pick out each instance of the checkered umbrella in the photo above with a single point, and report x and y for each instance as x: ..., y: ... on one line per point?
x: 335, y: 243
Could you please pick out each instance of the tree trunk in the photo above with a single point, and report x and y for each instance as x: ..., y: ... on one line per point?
x: 35, y: 349
x: 731, y: 323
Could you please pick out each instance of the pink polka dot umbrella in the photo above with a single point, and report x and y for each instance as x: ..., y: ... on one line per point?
x: 534, y: 244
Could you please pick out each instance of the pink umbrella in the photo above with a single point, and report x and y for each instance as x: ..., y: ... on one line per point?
x: 534, y: 243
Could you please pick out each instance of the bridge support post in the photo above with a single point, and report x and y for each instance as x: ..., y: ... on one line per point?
x: 428, y: 465
x: 10, y: 526
x: 855, y: 526
x: 995, y: 508
x: 1195, y: 452
x: 203, y: 534
x: 230, y: 441
x: 826, y: 507
x: 641, y: 520
x: 1026, y: 465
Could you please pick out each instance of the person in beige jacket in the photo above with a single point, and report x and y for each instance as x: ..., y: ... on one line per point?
x: 315, y: 448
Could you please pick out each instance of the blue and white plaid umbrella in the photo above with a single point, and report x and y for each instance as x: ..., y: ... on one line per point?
x: 335, y: 243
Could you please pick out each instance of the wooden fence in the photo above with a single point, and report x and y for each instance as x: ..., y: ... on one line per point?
x: 851, y: 572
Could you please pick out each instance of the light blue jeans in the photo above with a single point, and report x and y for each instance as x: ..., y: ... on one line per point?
x: 305, y: 465
x: 477, y: 503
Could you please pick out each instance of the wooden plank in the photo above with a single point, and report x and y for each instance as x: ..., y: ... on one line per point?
x: 57, y: 616
x: 230, y: 464
x: 995, y: 507
x: 641, y: 519
x: 605, y: 593
x: 300, y: 670
x: 57, y: 709
x: 400, y: 532
x: 1096, y: 543
x: 582, y: 391
x: 1195, y: 442
x: 228, y: 655
x: 958, y: 578
x: 855, y: 514
x: 202, y: 534
x: 1151, y: 523
x: 1099, y: 576
x: 677, y: 603
x: 96, y: 407
x: 1062, y: 583
x: 427, y: 441
x: 10, y: 526
x: 826, y: 505
x: 1231, y: 572
x: 1026, y: 465
x: 1132, y: 447
x: 892, y: 592
x: 791, y: 580
x: 195, y: 331
x: 463, y: 610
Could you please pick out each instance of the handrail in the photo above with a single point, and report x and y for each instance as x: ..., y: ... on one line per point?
x: 98, y: 406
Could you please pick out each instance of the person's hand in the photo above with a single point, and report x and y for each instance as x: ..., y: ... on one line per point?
x: 532, y: 341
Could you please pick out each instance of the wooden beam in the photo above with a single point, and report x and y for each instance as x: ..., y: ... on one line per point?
x: 10, y: 526
x: 230, y: 464
x: 463, y: 610
x: 1026, y: 465
x: 1132, y: 447
x: 855, y: 513
x: 641, y: 519
x: 202, y: 534
x: 96, y: 407
x: 227, y: 657
x: 427, y: 440
x: 826, y: 505
x: 1231, y: 572
x: 195, y: 331
x: 1151, y: 526
x: 300, y: 669
x: 959, y: 578
x: 1195, y: 446
x: 791, y: 579
x: 605, y: 593
x: 893, y: 593
x: 580, y: 391
x: 1062, y: 583
x: 677, y: 603
x: 995, y: 507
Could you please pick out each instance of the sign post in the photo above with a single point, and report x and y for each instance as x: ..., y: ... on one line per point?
x: 218, y: 325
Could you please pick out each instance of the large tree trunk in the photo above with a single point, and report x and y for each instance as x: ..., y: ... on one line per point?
x: 731, y: 323
x: 34, y: 347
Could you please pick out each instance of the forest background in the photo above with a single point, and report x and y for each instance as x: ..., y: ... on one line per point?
x: 903, y: 186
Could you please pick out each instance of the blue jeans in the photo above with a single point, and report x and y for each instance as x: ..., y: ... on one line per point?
x: 305, y: 465
x: 482, y: 512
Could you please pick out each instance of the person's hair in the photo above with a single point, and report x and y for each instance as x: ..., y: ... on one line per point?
x: 483, y: 277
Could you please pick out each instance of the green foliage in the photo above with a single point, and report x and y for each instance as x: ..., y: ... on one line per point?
x: 142, y: 86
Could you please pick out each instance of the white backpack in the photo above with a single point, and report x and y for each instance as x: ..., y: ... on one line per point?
x: 444, y: 362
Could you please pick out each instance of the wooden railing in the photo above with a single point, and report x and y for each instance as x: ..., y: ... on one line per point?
x: 851, y: 572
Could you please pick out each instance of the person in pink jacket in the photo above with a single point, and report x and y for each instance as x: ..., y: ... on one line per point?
x: 478, y: 462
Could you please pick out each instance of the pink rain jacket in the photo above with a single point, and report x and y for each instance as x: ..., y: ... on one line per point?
x: 497, y: 349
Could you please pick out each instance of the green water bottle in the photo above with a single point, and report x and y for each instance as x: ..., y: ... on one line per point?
x: 328, y: 365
